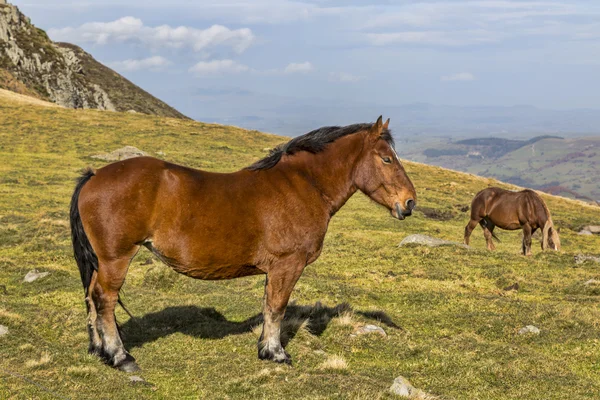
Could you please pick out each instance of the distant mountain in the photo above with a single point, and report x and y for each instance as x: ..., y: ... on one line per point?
x: 31, y: 64
x: 568, y: 167
x: 295, y: 116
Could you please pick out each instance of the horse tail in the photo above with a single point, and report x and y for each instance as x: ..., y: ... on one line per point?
x: 495, y: 237
x: 545, y: 233
x: 86, y: 258
x: 548, y: 227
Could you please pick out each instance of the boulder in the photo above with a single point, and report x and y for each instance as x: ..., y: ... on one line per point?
x: 595, y: 229
x: 402, y: 387
x: 34, y: 275
x: 121, y: 154
x: 428, y: 241
x: 529, y: 329
x: 3, y: 329
x: 367, y: 329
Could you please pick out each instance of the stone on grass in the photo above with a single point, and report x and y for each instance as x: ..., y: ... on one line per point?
x: 428, y: 241
x: 367, y: 329
x: 581, y: 258
x: 121, y: 154
x: 402, y: 387
x: 592, y: 228
x: 136, y: 379
x: 584, y: 232
x: 34, y: 275
x: 592, y: 282
x: 529, y: 329
x: 3, y: 330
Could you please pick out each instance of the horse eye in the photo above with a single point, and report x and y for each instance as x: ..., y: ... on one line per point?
x: 386, y: 160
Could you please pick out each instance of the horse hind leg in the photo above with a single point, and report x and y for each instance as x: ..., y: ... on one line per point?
x: 527, y: 232
x: 105, y: 295
x: 95, y: 346
x: 469, y: 228
x: 488, y: 232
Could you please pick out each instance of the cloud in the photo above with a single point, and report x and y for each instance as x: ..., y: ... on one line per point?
x: 453, y: 23
x: 302, y: 68
x: 130, y: 29
x: 461, y: 76
x: 153, y: 63
x: 343, y: 77
x: 218, y: 67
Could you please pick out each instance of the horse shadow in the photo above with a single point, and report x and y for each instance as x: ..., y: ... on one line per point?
x: 208, y: 323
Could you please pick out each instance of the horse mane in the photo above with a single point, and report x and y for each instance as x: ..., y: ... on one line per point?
x: 314, y: 142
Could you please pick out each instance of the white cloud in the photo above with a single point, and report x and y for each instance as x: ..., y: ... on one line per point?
x: 302, y: 68
x: 153, y: 63
x: 461, y: 76
x: 343, y: 77
x: 218, y: 67
x: 130, y: 29
x: 455, y: 23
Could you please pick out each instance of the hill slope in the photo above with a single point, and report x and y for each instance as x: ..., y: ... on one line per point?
x: 30, y: 63
x: 569, y: 167
x: 456, y: 334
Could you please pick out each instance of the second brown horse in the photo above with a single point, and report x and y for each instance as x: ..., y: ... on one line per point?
x: 496, y: 207
x: 270, y: 218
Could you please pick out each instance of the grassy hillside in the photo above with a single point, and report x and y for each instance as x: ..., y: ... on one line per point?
x: 451, y: 327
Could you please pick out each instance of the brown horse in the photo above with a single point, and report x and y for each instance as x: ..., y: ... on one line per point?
x: 512, y: 210
x: 269, y: 218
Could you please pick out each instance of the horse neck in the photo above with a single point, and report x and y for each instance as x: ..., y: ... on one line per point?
x: 330, y: 172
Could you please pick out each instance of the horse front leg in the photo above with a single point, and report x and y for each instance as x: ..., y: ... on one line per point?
x: 280, y: 282
x: 527, y: 232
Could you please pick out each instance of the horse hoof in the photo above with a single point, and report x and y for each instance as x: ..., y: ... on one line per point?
x: 128, y: 365
x: 279, y: 358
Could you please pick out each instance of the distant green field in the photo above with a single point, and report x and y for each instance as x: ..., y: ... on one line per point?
x: 568, y: 167
x: 451, y: 327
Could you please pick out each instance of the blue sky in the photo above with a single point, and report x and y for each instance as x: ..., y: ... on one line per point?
x: 227, y: 59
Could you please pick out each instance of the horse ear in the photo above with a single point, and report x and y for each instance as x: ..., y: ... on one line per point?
x: 376, y: 129
x: 386, y: 124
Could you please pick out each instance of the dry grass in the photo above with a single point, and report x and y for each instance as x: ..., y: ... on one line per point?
x: 336, y: 363
x: 17, y: 98
x: 37, y: 363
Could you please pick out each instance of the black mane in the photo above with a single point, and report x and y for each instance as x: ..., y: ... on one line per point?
x: 314, y: 142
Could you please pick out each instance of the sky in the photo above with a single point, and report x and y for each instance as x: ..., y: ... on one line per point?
x: 241, y: 61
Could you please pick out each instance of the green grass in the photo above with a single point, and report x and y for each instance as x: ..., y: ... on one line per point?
x: 457, y: 328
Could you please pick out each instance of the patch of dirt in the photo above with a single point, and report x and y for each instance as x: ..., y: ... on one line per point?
x: 438, y: 215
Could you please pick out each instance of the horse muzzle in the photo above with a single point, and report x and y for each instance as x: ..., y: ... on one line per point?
x: 402, y: 213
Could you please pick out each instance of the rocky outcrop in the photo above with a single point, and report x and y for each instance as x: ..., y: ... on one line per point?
x: 64, y: 73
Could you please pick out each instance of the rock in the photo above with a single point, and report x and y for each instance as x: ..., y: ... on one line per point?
x: 364, y: 330
x: 581, y: 258
x: 428, y: 241
x: 593, y: 229
x: 34, y: 275
x: 584, y: 232
x: 136, y: 379
x: 121, y: 154
x: 3, y: 330
x: 402, y: 387
x: 529, y: 329
x: 592, y: 282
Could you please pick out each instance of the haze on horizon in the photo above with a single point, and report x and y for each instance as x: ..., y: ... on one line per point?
x: 284, y: 66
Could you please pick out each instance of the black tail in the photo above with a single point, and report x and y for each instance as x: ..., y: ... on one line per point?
x: 87, y: 261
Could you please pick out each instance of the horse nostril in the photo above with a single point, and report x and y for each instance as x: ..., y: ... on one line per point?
x: 410, y: 204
